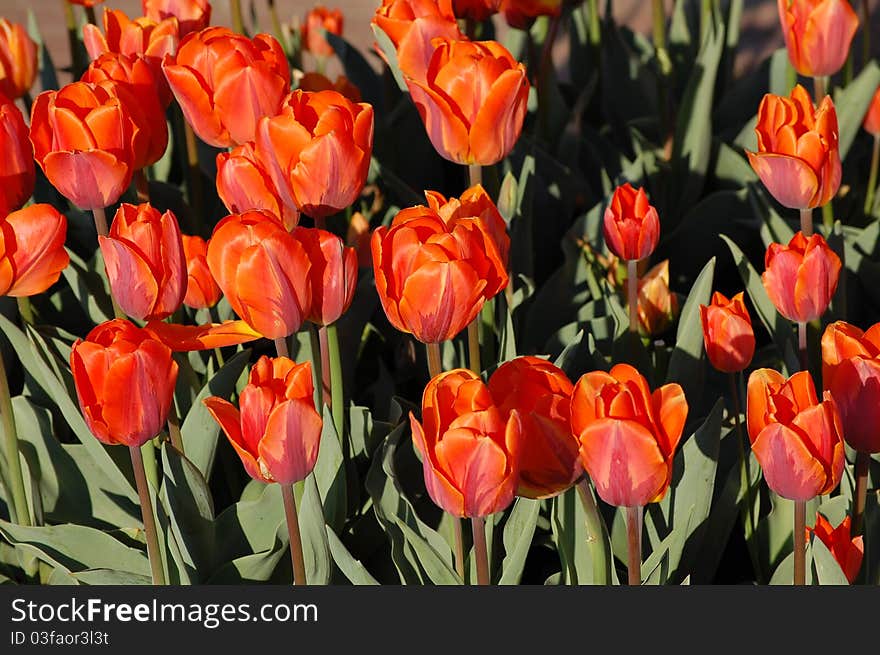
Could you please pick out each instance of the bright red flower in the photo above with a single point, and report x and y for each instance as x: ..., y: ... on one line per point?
x: 871, y: 122
x: 728, y: 333
x: 18, y: 60
x: 17, y: 172
x: 522, y: 13
x: 631, y: 224
x: 817, y: 34
x: 317, y: 20
x: 32, y: 253
x: 477, y: 10
x: 201, y: 288
x: 847, y: 550
x: 191, y: 15
x: 332, y: 276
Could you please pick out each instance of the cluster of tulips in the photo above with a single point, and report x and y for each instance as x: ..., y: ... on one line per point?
x: 292, y: 158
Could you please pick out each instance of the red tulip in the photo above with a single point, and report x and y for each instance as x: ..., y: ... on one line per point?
x: 631, y: 224
x: 226, y: 82
x: 520, y: 14
x: 801, y: 278
x: 18, y: 60
x: 320, y: 19
x: 17, y: 173
x: 32, y: 253
x: 871, y: 122
x: 540, y: 393
x: 316, y: 82
x: 276, y: 432
x: 332, y: 276
x: 470, y: 452
x: 85, y: 3
x: 657, y: 304
x: 796, y: 438
x: 627, y: 434
x: 201, y: 288
x: 728, y: 333
x: 124, y: 381
x: 191, y: 15
x: 817, y: 34
x: 848, y: 551
x: 477, y: 10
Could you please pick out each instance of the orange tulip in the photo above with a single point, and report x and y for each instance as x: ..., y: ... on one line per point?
x: 317, y: 150
x: 871, y: 122
x: 411, y: 25
x: 541, y: 395
x: 520, y: 14
x: 32, y: 253
x: 470, y: 452
x: 17, y: 173
x: 191, y: 15
x: 18, y: 60
x: 817, y: 34
x: 657, y: 304
x: 728, y: 333
x: 226, y: 82
x: 631, y: 224
x: 263, y: 271
x: 202, y: 291
x: 477, y: 10
x: 243, y: 184
x: 143, y: 255
x: 332, y: 276
x: 796, y: 438
x: 432, y: 276
x: 627, y: 434
x: 798, y: 158
x: 847, y: 550
x: 851, y: 372
x: 472, y: 99
x: 319, y: 19
x: 276, y: 432
x: 801, y: 278
x: 82, y: 138
x: 317, y: 82
x: 124, y: 381
x: 141, y: 38
x: 185, y: 338
x: 86, y: 3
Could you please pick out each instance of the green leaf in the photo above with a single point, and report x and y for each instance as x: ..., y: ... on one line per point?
x: 89, y: 286
x: 851, y: 104
x: 316, y: 550
x: 826, y: 570
x: 350, y: 567
x: 519, y: 530
x: 358, y: 71
x: 390, y: 52
x: 573, y: 541
x: 330, y: 474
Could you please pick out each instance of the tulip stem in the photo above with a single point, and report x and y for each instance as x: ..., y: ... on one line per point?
x: 281, y: 347
x: 597, y: 542
x: 820, y: 87
x: 296, y: 547
x: 659, y: 33
x: 13, y: 460
x: 595, y: 30
x: 195, y: 196
x: 802, y: 347
x: 632, y: 294
x: 807, y: 222
x: 473, y: 331
x: 435, y: 363
x: 90, y: 15
x: 174, y: 431
x: 634, y: 541
x: 475, y: 174
x: 137, y: 464
x: 866, y: 32
x: 25, y: 309
x: 276, y: 27
x: 747, y: 513
x: 317, y: 367
x: 800, y: 546
x: 863, y: 464
x: 76, y: 65
x: 872, y: 176
x: 459, y: 546
x: 478, y: 526
x: 235, y: 10
x: 142, y: 186
x: 337, y: 393
x: 101, y: 226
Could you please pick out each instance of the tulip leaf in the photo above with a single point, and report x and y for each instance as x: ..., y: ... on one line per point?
x: 519, y: 530
x: 48, y: 77
x: 851, y: 104
x: 109, y: 577
x: 387, y: 47
x: 871, y: 562
x: 358, y: 71
x: 350, y: 567
x: 784, y: 573
x: 774, y: 534
x: 316, y: 551
x: 89, y: 287
x: 826, y: 569
x: 261, y: 566
x: 330, y: 474
x: 576, y: 545
x: 250, y: 526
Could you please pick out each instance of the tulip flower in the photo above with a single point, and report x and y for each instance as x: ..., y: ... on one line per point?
x: 32, y: 253
x: 796, y: 438
x: 17, y: 173
x: 186, y: 338
x: 540, y: 393
x: 657, y: 305
x: 871, y: 122
x: 332, y: 276
x: 477, y: 10
x: 627, y: 434
x: 470, y: 452
x: 319, y: 19
x: 124, y: 381
x: 520, y: 14
x: 317, y: 82
x: 317, y: 150
x: 191, y: 15
x: 797, y: 158
x: 263, y: 271
x: 848, y: 551
x: 727, y: 333
x: 472, y: 99
x: 433, y: 277
x: 143, y: 255
x: 631, y: 224
x: 202, y: 291
x: 226, y: 82
x: 85, y: 3
x: 801, y: 278
x: 18, y: 60
x: 82, y: 138
x: 817, y: 34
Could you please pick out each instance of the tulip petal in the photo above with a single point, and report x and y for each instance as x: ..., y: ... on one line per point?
x: 131, y: 280
x: 446, y: 129
x: 184, y: 338
x: 289, y: 448
x: 788, y: 179
x: 440, y: 489
x: 91, y: 179
x: 229, y: 419
x: 499, y: 120
x: 195, y: 101
x: 789, y: 468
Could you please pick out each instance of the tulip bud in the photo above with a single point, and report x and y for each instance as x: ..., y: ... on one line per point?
x: 727, y: 333
x: 657, y: 304
x: 521, y: 14
x: 276, y: 430
x: 801, y: 278
x: 191, y: 15
x: 202, y: 291
x: 631, y: 224
x: 847, y: 550
x: 319, y: 19
x: 470, y: 452
x: 332, y: 276
x: 32, y: 253
x: 17, y: 172
x: 627, y: 434
x: 18, y: 60
x: 477, y: 10
x: 817, y: 34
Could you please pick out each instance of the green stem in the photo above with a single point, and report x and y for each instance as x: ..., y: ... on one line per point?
x: 866, y: 32
x: 25, y: 309
x: 597, y: 542
x: 13, y: 459
x: 148, y: 455
x: 76, y: 64
x: 872, y: 176
x: 802, y: 347
x: 820, y: 88
x: 862, y: 468
x: 281, y: 348
x: 634, y: 542
x: 481, y: 554
x: 337, y: 393
x: 317, y: 367
x: 218, y: 353
x: 459, y: 546
x: 142, y: 186
x: 435, y: 363
x: 296, y: 547
x: 235, y: 10
x: 632, y: 294
x: 137, y: 464
x: 800, y: 546
x: 90, y: 15
x: 595, y: 30
x: 747, y: 513
x: 807, y: 222
x: 473, y: 332
x: 174, y: 431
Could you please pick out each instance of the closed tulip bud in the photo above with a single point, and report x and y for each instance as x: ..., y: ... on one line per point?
x: 851, y: 372
x: 847, y: 550
x: 318, y: 20
x: 32, y: 253
x: 520, y: 14
x: 540, y: 393
x: 275, y: 430
x: 317, y: 150
x: 627, y: 434
x: 817, y: 34
x: 18, y: 60
x: 433, y: 277
x: 631, y: 224
x: 263, y: 271
x: 202, y: 291
x: 17, y: 172
x: 226, y: 82
x: 657, y: 304
x: 472, y: 100
x: 798, y: 157
x: 333, y: 275
x: 124, y: 381
x: 728, y: 333
x: 317, y: 82
x: 801, y: 278
x: 477, y: 10
x: 143, y: 255
x: 871, y: 122
x: 796, y: 438
x: 470, y: 451
x: 191, y: 15
x: 244, y: 184
x: 82, y: 137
